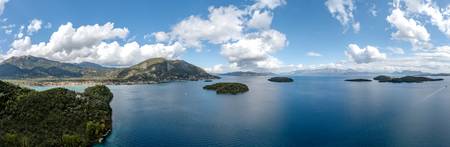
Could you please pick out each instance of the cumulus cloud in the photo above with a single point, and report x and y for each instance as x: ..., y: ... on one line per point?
x: 396, y: 50
x: 2, y: 5
x: 34, y: 26
x: 408, y: 30
x: 220, y: 68
x: 260, y: 20
x: 92, y: 43
x: 342, y: 10
x: 438, y: 17
x: 254, y: 49
x: 313, y: 54
x: 271, y: 4
x: 246, y: 39
x: 364, y: 55
x: 243, y: 34
x: 193, y: 30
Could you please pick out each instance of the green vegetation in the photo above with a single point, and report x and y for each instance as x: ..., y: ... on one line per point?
x: 281, y: 79
x: 56, y: 117
x: 227, y: 88
x: 358, y: 80
x: 406, y: 79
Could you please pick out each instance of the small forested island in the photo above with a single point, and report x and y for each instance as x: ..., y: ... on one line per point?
x: 281, y: 79
x: 358, y: 80
x: 55, y: 117
x: 406, y: 79
x: 227, y: 88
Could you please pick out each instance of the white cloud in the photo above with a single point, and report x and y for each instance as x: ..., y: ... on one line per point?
x: 90, y: 43
x: 342, y: 10
x: 260, y: 20
x: 34, y: 26
x: 193, y: 30
x: 220, y: 68
x: 48, y: 25
x: 2, y: 6
x: 246, y: 39
x: 161, y: 36
x: 313, y: 54
x: 244, y: 35
x: 373, y: 10
x: 409, y: 30
x: 271, y: 4
x: 396, y: 50
x: 364, y: 55
x: 438, y: 17
x: 255, y: 49
x: 8, y: 29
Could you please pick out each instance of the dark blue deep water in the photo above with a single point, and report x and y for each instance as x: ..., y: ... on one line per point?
x: 312, y: 111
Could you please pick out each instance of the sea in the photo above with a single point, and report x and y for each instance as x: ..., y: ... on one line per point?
x: 311, y: 111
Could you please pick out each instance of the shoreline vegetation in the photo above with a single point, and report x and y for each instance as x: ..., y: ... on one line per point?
x: 54, y: 117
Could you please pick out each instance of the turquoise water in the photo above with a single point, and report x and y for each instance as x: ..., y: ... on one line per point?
x: 312, y: 111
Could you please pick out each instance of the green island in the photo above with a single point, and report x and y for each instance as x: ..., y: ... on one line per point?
x: 227, y: 88
x: 55, y: 117
x: 358, y: 80
x: 281, y: 79
x: 406, y: 79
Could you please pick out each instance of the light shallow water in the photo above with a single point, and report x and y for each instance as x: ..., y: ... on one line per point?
x: 312, y: 111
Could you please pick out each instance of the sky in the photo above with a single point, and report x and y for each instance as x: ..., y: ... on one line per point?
x: 234, y: 35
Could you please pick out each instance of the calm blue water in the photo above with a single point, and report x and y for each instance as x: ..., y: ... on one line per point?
x: 312, y: 111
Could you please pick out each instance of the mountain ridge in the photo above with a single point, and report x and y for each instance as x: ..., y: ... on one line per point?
x: 153, y: 69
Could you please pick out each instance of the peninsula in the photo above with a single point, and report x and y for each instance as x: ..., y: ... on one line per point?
x: 55, y: 117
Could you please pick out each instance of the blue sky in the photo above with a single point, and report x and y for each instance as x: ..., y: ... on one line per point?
x: 302, y: 34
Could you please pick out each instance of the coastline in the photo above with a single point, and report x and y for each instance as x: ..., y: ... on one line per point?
x: 88, y: 82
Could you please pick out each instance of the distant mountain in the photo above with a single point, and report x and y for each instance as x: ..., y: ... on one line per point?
x: 34, y: 67
x: 160, y: 69
x: 409, y: 73
x: 247, y: 73
x: 329, y: 72
x: 90, y: 65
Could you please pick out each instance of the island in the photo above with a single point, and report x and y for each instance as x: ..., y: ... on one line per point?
x: 406, y: 79
x: 227, y: 88
x: 55, y: 117
x: 358, y: 80
x: 281, y: 79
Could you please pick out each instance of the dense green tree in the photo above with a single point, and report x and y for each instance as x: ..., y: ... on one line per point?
x: 55, y: 117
